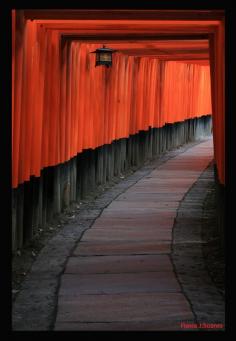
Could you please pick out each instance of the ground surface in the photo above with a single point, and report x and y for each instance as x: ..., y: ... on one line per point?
x: 122, y: 273
x: 213, y: 250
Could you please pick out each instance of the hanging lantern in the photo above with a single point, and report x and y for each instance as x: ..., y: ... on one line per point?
x: 104, y: 56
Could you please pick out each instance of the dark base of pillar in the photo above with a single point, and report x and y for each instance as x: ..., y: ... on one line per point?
x: 36, y: 202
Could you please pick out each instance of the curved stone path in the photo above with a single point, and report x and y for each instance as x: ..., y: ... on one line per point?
x: 120, y: 275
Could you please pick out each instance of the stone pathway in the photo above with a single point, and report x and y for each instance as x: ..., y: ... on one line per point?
x: 120, y: 275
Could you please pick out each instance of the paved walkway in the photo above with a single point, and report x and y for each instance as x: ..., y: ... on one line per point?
x: 120, y: 275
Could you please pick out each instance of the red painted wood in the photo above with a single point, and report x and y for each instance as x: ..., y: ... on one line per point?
x: 62, y: 104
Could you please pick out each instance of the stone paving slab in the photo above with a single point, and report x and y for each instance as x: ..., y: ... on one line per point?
x: 198, y: 167
x: 143, y: 234
x: 149, y: 221
x: 152, y: 190
x: 165, y: 182
x: 165, y: 173
x: 78, y: 284
x: 159, y: 185
x: 118, y: 264
x: 139, y: 213
x: 141, y: 210
x: 122, y: 248
x: 129, y: 224
x: 154, y: 197
x: 124, y: 307
x: 142, y: 204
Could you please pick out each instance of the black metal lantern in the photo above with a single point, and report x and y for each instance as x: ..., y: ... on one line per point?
x: 104, y: 56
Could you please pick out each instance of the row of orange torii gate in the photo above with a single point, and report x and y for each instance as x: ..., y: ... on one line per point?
x: 169, y: 67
